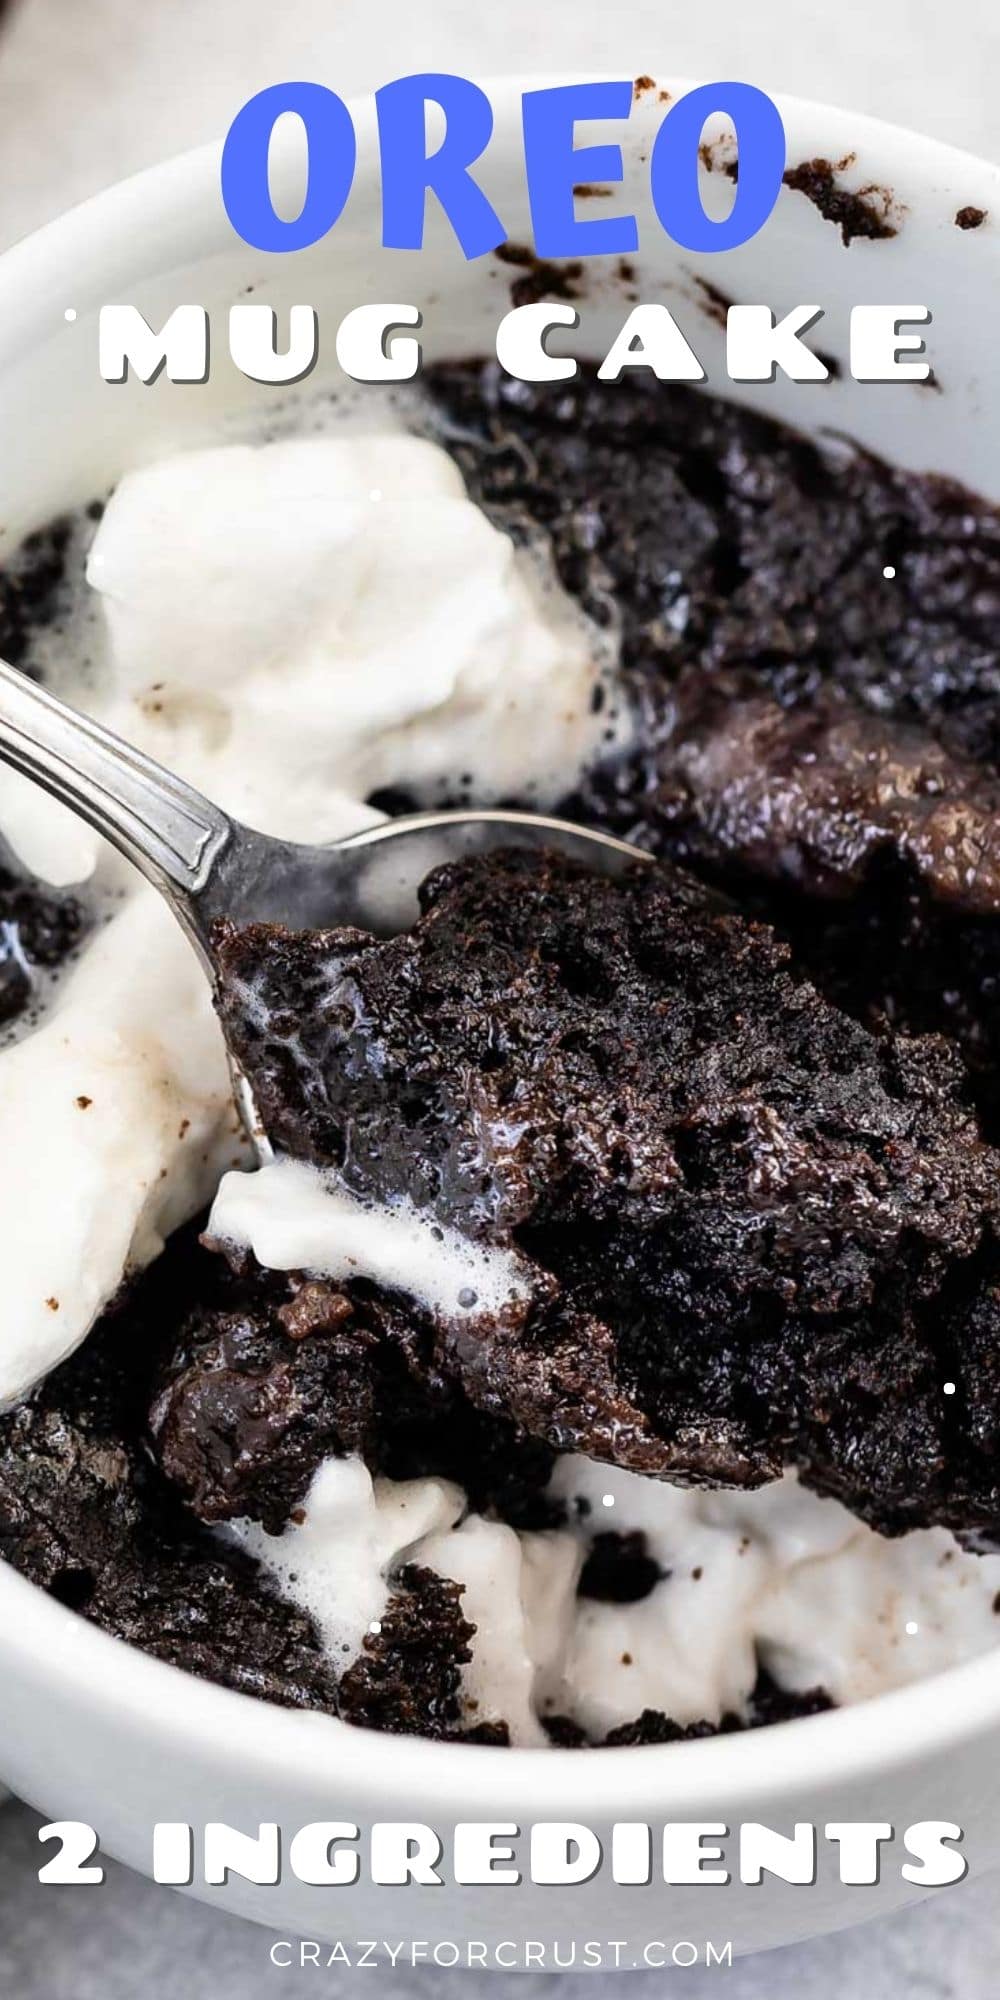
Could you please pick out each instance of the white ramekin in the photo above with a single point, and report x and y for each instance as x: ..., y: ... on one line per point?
x: 92, y: 1730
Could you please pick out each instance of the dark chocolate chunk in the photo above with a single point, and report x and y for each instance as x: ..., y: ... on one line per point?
x: 38, y: 929
x: 407, y: 1677
x: 247, y: 1404
x: 619, y: 1569
x: 249, y: 1408
x: 867, y: 212
x: 84, y: 1513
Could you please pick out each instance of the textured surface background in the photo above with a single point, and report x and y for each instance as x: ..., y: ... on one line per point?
x: 131, y: 1938
x: 93, y: 89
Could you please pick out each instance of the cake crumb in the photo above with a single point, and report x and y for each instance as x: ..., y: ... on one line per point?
x: 868, y: 212
x: 542, y: 279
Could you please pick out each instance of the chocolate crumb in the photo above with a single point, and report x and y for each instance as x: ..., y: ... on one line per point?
x: 314, y: 1309
x: 542, y: 279
x: 971, y: 218
x: 84, y: 1103
x: 619, y: 1570
x: 714, y: 301
x: 865, y: 213
x: 563, y: 1733
x: 516, y: 253
x: 720, y: 156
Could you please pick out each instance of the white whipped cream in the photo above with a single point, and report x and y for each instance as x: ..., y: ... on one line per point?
x: 518, y: 1592
x: 116, y: 1120
x: 351, y: 616
x: 336, y: 1561
x: 778, y: 1576
x: 295, y: 1218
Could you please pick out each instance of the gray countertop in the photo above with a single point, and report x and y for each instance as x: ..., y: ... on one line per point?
x: 91, y: 90
x: 133, y: 1939
x: 130, y: 1937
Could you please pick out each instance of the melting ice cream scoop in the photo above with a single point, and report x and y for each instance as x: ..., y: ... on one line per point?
x: 210, y: 867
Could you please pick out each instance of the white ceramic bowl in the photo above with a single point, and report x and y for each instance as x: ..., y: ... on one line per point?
x: 90, y: 1729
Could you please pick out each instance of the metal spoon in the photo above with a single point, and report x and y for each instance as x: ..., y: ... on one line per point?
x: 208, y: 866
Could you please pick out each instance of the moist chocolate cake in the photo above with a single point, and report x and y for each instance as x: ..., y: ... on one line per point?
x: 739, y: 1141
x: 757, y: 1230
x: 822, y: 737
x: 86, y: 1513
x: 269, y: 1376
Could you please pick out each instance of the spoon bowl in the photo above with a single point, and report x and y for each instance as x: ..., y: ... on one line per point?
x: 210, y: 868
x: 370, y: 879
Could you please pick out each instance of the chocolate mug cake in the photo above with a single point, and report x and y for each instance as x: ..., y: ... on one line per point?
x: 609, y: 1353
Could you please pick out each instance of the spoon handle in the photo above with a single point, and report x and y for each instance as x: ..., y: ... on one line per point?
x: 164, y: 826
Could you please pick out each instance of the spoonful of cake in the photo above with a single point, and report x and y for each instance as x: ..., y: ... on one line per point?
x: 600, y: 1157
